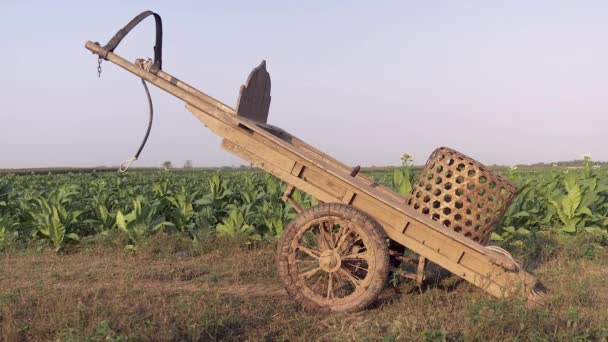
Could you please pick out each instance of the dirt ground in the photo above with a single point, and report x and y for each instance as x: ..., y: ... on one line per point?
x: 164, y: 291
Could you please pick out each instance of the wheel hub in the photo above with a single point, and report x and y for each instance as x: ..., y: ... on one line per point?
x: 330, y: 261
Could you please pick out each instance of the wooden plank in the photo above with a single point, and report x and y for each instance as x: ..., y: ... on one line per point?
x: 349, y: 196
x: 307, y: 148
x: 360, y: 185
x: 276, y: 171
x: 297, y: 169
x: 191, y: 90
x: 288, y: 192
x: 419, y: 233
x: 391, y: 218
x: 287, y: 198
x: 405, y: 226
x: 420, y: 270
x: 316, y: 177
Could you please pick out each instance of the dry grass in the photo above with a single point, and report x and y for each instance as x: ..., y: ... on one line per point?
x: 175, y: 290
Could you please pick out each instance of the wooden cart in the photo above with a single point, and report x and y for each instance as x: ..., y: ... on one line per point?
x: 334, y: 256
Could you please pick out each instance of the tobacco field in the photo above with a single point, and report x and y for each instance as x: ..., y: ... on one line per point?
x: 59, y: 210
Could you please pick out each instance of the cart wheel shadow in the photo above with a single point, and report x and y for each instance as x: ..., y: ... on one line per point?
x: 436, y: 278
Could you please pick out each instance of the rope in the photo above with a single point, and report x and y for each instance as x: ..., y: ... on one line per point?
x: 146, y: 65
x: 126, y: 164
x: 505, y: 253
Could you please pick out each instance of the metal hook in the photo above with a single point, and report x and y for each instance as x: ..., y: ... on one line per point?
x: 126, y: 165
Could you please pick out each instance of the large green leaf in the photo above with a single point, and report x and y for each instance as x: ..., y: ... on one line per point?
x: 572, y: 200
x: 121, y: 221
x: 401, y: 181
x: 56, y: 230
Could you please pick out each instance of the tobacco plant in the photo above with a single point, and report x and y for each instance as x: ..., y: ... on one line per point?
x: 247, y: 205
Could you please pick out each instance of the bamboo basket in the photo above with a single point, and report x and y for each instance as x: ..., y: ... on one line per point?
x: 462, y: 194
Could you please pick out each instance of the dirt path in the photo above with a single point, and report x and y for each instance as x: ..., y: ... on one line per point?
x: 121, y: 272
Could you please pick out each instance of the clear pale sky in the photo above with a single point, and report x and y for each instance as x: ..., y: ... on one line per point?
x: 502, y: 81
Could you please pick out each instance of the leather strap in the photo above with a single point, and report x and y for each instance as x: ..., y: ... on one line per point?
x: 158, y: 46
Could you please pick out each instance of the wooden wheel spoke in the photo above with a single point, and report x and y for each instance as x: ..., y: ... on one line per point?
x: 330, y: 230
x: 340, y: 288
x: 352, y: 243
x: 306, y: 275
x: 342, y: 236
x: 314, y: 285
x: 357, y: 256
x: 324, y: 238
x: 356, y: 267
x: 310, y: 238
x: 310, y: 252
x: 348, y: 276
x: 330, y: 286
x: 355, y: 263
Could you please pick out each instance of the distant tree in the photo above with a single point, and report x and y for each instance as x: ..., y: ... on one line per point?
x: 188, y: 164
x: 167, y: 164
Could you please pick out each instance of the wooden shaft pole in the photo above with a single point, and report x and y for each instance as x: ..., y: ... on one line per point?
x: 184, y: 86
x: 167, y: 83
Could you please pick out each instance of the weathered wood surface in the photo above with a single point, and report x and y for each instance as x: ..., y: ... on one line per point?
x: 254, y: 97
x: 422, y: 235
x: 313, y: 172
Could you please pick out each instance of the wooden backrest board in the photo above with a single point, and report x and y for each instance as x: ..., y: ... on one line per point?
x: 254, y: 97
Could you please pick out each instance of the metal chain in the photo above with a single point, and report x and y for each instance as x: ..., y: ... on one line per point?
x: 99, y: 67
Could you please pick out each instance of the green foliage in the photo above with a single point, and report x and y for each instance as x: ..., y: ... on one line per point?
x: 434, y: 335
x: 5, y: 190
x: 7, y: 226
x: 181, y: 211
x: 104, y: 332
x: 402, y: 177
x: 61, y: 209
x: 568, y: 207
x: 53, y: 216
x: 566, y: 200
x: 236, y: 226
x: 141, y: 220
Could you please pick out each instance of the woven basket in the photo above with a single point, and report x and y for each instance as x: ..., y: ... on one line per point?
x: 462, y: 194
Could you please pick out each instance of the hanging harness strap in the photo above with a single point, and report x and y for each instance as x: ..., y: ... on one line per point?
x: 158, y: 45
x: 148, y: 65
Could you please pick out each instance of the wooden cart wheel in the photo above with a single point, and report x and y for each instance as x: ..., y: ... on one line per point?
x: 333, y: 257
